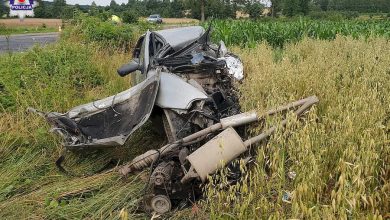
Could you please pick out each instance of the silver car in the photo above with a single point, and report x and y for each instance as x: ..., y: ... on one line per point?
x: 155, y: 19
x: 181, y: 81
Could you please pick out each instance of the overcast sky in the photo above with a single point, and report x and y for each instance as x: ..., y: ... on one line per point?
x: 98, y: 2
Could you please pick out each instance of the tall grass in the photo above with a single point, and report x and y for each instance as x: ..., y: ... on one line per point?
x: 340, y: 152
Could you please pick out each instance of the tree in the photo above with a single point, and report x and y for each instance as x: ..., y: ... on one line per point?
x: 93, y: 10
x: 41, y: 10
x: 254, y: 9
x: 202, y: 15
x: 177, y: 9
x: 58, y: 8
x: 114, y: 6
x: 323, y: 4
x: 68, y: 12
x: 275, y: 7
x: 290, y: 7
x: 3, y: 9
x: 211, y: 8
x: 359, y: 5
x: 304, y: 6
x: 295, y: 7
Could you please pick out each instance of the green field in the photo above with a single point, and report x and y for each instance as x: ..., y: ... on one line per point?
x: 340, y: 151
x: 280, y: 32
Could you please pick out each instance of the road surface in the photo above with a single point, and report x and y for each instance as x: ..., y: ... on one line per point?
x: 22, y: 42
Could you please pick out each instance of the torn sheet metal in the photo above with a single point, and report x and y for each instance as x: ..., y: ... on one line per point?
x: 110, y: 121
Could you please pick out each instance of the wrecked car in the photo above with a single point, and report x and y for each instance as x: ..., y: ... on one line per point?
x: 185, y: 85
x: 181, y: 82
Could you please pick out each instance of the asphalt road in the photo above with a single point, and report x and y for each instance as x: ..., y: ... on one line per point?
x: 22, y: 42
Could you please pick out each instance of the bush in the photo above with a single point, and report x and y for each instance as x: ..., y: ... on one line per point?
x: 92, y: 29
x: 130, y: 17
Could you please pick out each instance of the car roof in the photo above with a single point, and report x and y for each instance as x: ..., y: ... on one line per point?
x: 179, y: 37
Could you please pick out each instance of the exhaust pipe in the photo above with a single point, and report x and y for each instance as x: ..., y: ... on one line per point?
x: 227, y: 146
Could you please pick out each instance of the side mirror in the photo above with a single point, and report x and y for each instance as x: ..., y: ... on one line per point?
x: 129, y: 68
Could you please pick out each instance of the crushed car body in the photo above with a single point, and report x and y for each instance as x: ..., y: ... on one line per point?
x: 180, y: 79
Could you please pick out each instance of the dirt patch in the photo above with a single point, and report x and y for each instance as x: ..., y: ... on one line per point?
x: 31, y: 22
x: 178, y: 20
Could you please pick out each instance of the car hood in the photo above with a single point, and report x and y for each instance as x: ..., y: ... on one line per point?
x: 179, y: 37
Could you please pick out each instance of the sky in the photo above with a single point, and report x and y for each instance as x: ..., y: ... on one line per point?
x: 98, y: 2
x: 107, y: 2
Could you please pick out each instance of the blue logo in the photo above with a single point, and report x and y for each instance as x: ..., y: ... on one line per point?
x: 22, y: 8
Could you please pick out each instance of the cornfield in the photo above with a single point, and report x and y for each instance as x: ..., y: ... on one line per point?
x: 278, y: 33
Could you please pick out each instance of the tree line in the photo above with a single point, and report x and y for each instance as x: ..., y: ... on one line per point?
x: 203, y: 8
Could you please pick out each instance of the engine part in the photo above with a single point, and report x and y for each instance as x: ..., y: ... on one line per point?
x: 162, y: 174
x: 161, y: 204
x: 183, y: 155
x: 214, y: 154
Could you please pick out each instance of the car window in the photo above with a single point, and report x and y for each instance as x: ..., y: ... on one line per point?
x: 138, y: 76
x: 137, y: 49
x: 155, y: 44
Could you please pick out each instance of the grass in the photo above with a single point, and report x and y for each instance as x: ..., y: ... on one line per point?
x: 340, y: 152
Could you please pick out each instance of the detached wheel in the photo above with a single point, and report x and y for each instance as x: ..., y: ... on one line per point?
x: 161, y: 204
